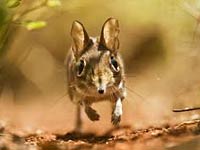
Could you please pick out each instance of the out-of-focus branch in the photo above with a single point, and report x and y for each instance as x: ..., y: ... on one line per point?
x: 26, y: 12
x: 186, y: 109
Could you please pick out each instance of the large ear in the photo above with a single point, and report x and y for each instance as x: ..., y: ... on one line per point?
x: 80, y: 38
x: 109, y: 34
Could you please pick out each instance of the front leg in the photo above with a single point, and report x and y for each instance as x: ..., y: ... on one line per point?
x: 117, y: 112
x: 91, y: 113
x: 117, y: 106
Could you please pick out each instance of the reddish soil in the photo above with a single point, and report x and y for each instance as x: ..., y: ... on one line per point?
x: 182, y: 136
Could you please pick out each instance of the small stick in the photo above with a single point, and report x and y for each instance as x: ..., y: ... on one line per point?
x: 186, y: 109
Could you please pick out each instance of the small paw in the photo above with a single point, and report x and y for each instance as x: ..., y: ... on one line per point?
x: 117, y: 112
x: 92, y: 114
x: 115, y: 119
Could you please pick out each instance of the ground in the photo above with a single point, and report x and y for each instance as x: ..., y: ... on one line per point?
x: 181, y: 136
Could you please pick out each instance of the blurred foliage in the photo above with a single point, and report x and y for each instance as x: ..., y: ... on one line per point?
x: 2, y: 14
x: 10, y: 21
x: 53, y: 3
x: 32, y: 25
x: 3, y: 27
x: 13, y: 3
x: 8, y: 16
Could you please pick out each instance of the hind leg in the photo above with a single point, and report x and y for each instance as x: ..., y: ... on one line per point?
x: 78, y: 119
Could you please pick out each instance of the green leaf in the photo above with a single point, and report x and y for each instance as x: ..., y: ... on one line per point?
x: 13, y: 3
x: 33, y: 25
x: 53, y: 3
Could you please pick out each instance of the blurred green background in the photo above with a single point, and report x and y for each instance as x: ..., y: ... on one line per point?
x: 159, y: 41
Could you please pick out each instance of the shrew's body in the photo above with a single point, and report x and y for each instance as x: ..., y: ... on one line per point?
x: 95, y: 70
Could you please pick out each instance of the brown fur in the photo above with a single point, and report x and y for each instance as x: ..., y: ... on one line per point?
x: 98, y: 71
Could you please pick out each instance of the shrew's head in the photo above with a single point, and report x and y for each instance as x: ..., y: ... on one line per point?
x: 98, y: 65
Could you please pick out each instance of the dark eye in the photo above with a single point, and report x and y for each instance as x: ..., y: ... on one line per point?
x: 114, y: 64
x: 80, y: 67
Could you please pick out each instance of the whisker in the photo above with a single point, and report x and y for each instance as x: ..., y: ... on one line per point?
x: 130, y: 75
x: 126, y: 75
x: 115, y: 89
x: 58, y: 99
x: 135, y: 93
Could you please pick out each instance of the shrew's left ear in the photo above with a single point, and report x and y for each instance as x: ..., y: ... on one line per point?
x: 109, y: 34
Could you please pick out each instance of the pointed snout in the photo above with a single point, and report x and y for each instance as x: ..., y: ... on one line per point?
x: 101, y: 89
x: 100, y: 80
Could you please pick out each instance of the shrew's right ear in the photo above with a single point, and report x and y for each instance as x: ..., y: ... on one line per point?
x: 80, y: 38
